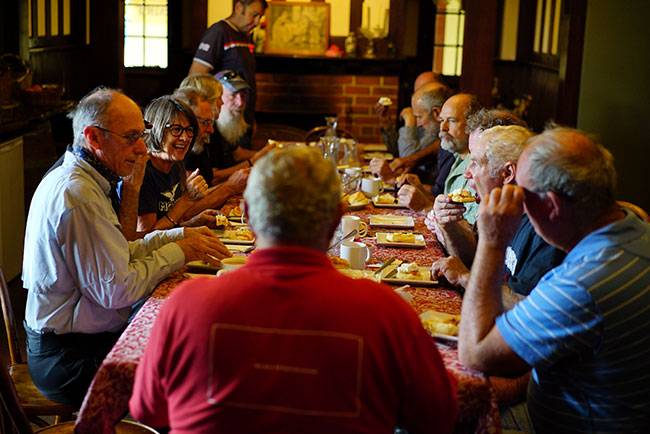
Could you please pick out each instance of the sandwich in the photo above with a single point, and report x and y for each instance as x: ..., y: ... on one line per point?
x: 462, y: 196
x: 235, y: 212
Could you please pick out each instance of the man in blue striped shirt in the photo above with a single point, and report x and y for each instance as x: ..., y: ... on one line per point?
x: 585, y: 327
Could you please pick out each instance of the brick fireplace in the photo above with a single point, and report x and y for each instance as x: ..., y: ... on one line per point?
x: 300, y: 92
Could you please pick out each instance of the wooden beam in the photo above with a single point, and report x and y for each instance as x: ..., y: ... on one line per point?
x: 479, y: 48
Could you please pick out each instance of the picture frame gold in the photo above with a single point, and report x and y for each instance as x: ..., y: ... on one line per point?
x: 297, y: 28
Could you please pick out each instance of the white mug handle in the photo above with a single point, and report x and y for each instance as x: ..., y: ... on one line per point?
x: 362, y: 232
x: 368, y: 253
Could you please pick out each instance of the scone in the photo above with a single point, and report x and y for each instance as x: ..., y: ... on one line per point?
x: 357, y: 198
x: 462, y: 196
x: 439, y: 325
x: 385, y: 101
x: 409, y: 271
x: 221, y: 220
x: 385, y: 198
x: 242, y: 234
x: 399, y: 237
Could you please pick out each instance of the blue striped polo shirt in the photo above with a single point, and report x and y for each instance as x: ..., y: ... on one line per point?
x: 585, y: 330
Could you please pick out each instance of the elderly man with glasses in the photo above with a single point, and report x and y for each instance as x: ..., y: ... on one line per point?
x: 82, y: 275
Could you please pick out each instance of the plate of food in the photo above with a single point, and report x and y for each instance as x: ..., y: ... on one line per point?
x: 408, y: 273
x: 387, y: 200
x: 400, y: 239
x: 356, y: 200
x: 375, y: 147
x: 235, y: 213
x: 392, y: 221
x: 440, y: 325
x: 385, y: 155
x: 240, y: 235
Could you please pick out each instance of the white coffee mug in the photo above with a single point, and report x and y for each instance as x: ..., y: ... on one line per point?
x: 352, y: 222
x: 355, y: 253
x: 372, y: 186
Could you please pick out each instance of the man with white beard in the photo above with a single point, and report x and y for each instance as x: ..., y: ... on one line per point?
x: 231, y: 127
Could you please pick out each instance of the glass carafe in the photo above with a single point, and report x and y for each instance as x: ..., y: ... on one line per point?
x: 350, y: 154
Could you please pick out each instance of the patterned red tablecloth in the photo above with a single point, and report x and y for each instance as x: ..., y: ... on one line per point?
x: 108, y: 396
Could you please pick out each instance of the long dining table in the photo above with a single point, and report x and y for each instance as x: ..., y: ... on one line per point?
x: 106, y: 401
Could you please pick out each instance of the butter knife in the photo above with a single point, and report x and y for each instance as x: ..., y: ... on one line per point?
x: 390, y: 275
x: 386, y: 264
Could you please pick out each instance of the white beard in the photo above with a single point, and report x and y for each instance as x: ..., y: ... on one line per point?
x: 232, y: 127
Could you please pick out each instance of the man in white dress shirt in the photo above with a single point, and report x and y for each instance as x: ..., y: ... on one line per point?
x: 82, y: 275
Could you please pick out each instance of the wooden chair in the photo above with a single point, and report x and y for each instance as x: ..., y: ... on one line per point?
x: 31, y: 400
x: 315, y: 133
x: 13, y: 419
x: 640, y: 212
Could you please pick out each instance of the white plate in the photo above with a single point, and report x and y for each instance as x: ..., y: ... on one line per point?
x: 385, y: 155
x: 382, y: 240
x: 375, y: 147
x: 392, y: 221
x: 237, y: 248
x: 359, y: 274
x: 424, y: 271
x: 434, y: 314
x: 387, y: 205
x: 225, y: 237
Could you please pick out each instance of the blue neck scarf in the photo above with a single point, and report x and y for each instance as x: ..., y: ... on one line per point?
x: 107, y: 173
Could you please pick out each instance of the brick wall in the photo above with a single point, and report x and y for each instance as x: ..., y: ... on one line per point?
x: 350, y: 97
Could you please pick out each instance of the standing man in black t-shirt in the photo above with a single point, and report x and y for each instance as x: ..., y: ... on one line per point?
x: 227, y: 45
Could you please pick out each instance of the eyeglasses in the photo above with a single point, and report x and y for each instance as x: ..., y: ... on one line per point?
x: 129, y: 139
x: 176, y: 130
x: 204, y: 122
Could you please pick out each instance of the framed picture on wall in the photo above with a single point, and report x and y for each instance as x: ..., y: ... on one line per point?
x: 297, y: 27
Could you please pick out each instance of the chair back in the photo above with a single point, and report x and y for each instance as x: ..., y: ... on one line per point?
x: 10, y: 321
x: 640, y: 212
x: 316, y: 133
x: 12, y: 416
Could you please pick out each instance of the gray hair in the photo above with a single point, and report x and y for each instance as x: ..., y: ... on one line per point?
x: 190, y: 96
x: 484, y: 119
x: 504, y: 144
x: 583, y: 173
x: 159, y: 112
x: 91, y: 111
x: 435, y: 98
x: 206, y: 84
x: 292, y: 196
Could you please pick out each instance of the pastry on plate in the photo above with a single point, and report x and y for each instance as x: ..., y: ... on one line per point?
x: 385, y: 198
x: 235, y: 212
x: 461, y: 195
x: 401, y: 237
x: 441, y: 324
x: 339, y: 263
x: 409, y: 271
x: 242, y: 234
x: 221, y: 220
x: 357, y: 198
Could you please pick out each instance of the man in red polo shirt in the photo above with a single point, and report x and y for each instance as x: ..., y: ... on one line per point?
x: 286, y: 343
